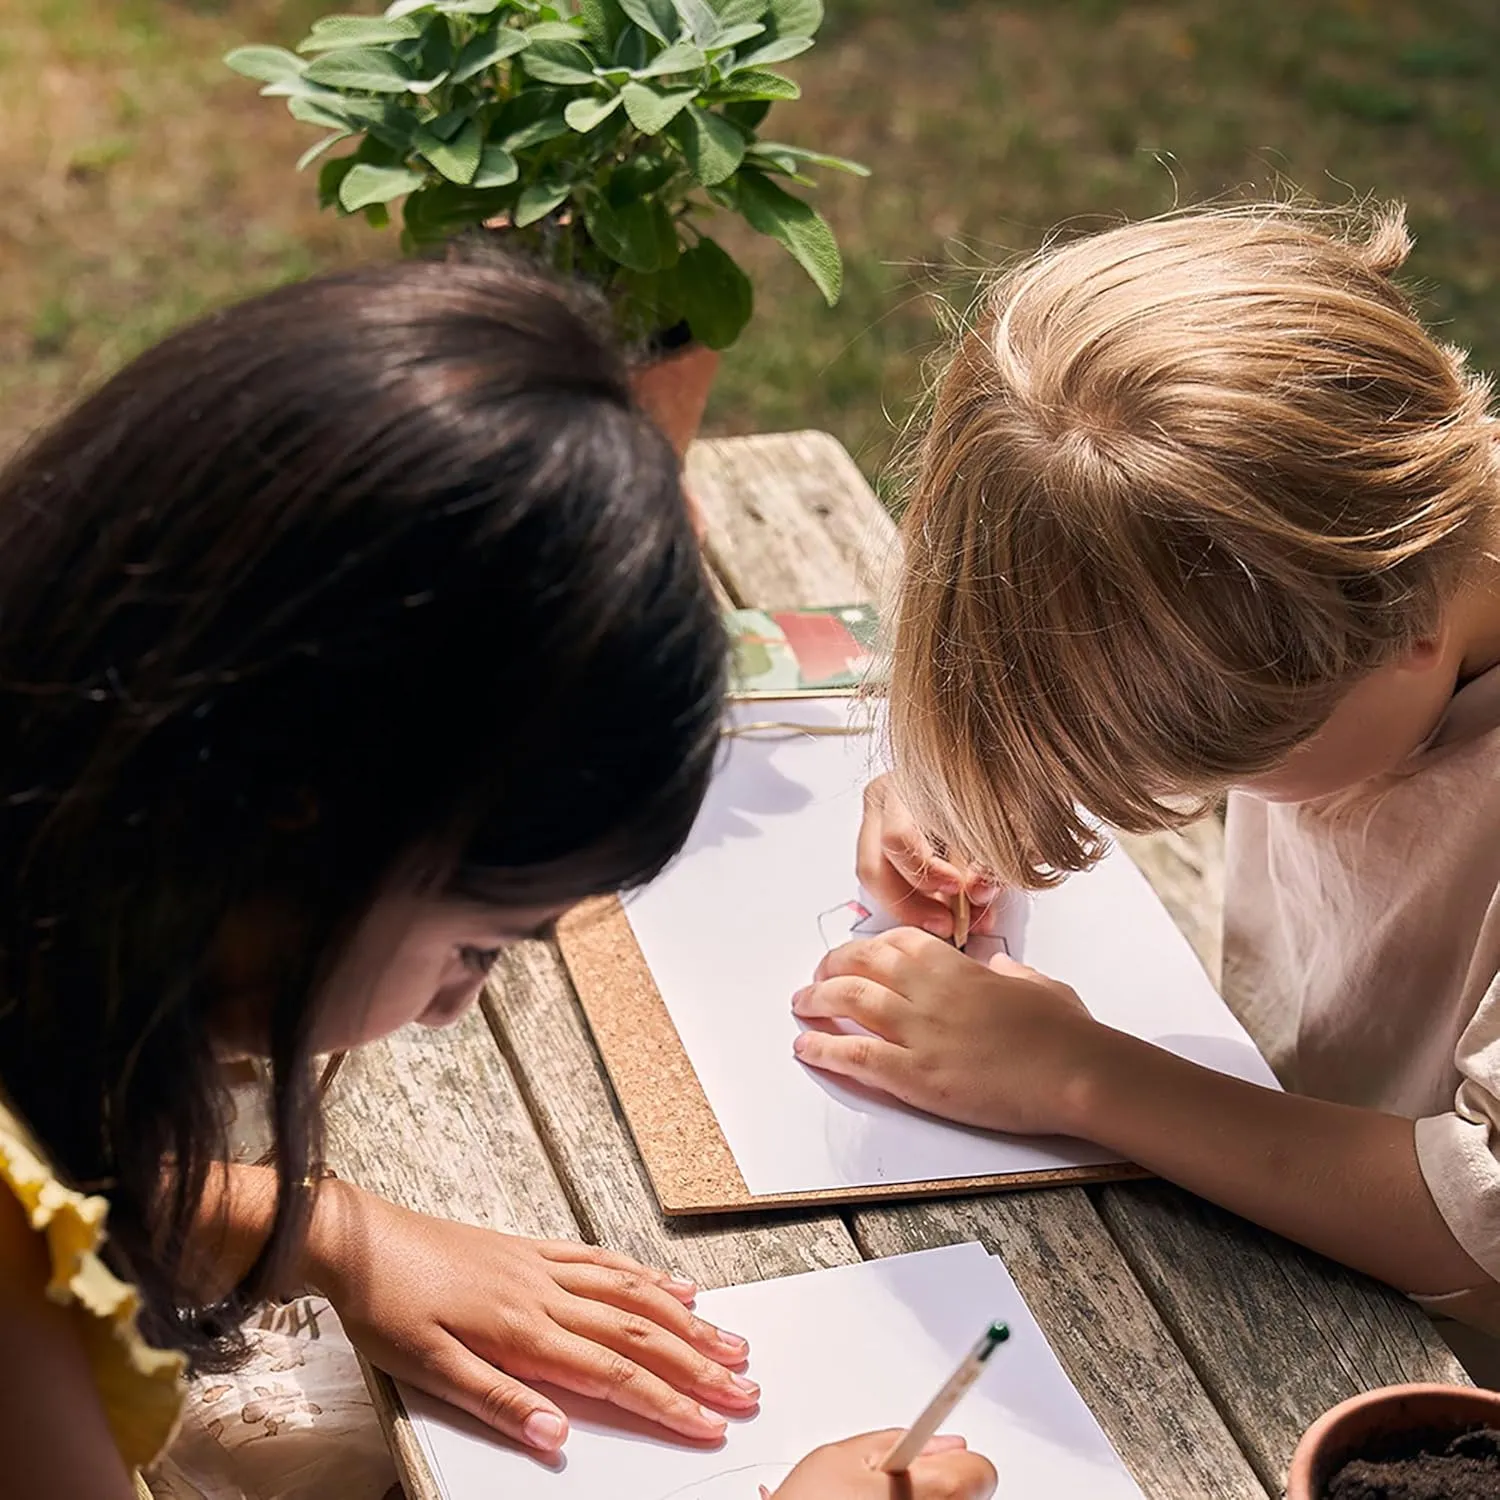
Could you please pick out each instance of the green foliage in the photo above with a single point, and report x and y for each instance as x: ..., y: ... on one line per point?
x: 600, y: 133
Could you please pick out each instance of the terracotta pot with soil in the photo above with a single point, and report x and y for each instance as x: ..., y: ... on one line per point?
x: 1402, y: 1442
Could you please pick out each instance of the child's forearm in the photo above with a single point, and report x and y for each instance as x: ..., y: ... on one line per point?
x: 234, y: 1221
x: 1340, y: 1180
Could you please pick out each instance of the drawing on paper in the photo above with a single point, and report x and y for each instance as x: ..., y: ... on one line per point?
x: 733, y: 1484
x: 857, y: 918
x: 852, y: 919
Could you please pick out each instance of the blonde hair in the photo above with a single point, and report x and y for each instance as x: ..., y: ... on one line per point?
x: 1184, y: 481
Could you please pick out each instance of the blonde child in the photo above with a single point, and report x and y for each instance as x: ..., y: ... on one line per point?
x: 1203, y: 508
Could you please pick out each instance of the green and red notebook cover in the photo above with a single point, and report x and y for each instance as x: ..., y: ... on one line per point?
x: 781, y: 653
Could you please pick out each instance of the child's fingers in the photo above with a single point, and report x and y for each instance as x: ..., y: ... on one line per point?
x: 954, y: 1475
x: 870, y: 1005
x: 865, y: 1059
x: 900, y: 959
x: 891, y: 889
x: 572, y: 1252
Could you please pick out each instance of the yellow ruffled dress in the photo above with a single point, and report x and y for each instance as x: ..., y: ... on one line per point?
x: 141, y: 1388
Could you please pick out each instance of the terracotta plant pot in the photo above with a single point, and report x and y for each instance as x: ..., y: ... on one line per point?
x: 1365, y: 1424
x: 674, y: 390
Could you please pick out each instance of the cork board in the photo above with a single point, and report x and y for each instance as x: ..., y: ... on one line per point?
x: 691, y: 1167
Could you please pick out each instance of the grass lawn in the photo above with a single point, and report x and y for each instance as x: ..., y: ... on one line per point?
x: 141, y: 183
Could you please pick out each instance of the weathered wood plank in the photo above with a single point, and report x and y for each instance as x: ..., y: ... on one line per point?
x: 788, y: 522
x: 1102, y: 1326
x: 434, y: 1120
x: 539, y: 1025
x: 1277, y: 1333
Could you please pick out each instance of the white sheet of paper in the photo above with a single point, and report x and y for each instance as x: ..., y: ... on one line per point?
x: 837, y: 1353
x: 761, y: 892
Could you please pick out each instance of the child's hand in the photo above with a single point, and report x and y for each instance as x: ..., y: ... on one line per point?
x: 946, y: 1470
x: 898, y: 866
x: 472, y: 1316
x: 1001, y: 1047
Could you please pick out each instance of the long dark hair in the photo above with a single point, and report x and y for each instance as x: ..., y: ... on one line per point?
x: 396, y: 546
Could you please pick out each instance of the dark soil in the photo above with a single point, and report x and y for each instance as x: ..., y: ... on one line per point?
x: 1466, y: 1467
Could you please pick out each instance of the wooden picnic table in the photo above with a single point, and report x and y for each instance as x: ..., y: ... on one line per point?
x: 1203, y: 1345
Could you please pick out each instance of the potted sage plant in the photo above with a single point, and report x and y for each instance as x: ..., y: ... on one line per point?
x: 599, y: 136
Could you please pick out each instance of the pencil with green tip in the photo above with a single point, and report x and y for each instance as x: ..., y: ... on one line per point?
x: 904, y: 1453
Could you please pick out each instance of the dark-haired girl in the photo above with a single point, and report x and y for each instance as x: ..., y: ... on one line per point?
x: 344, y: 638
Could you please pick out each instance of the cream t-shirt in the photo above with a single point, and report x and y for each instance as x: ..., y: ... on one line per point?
x: 1362, y: 951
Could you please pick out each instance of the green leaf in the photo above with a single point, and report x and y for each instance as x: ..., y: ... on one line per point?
x: 699, y: 19
x: 537, y: 200
x: 640, y: 177
x: 657, y: 18
x: 315, y: 112
x: 268, y: 64
x: 734, y: 35
x: 400, y: 8
x: 630, y: 49
x: 756, y: 84
x: 813, y: 158
x: 604, y: 21
x: 556, y: 31
x: 458, y: 159
x: 365, y: 184
x: 680, y: 57
x: 330, y: 177
x: 783, y: 49
x: 445, y: 127
x: 531, y: 118
x: 739, y: 12
x: 377, y: 215
x: 559, y: 62
x: 333, y: 32
x: 713, y: 147
x: 584, y: 114
x: 795, y: 225
x: 384, y: 119
x: 797, y: 17
x: 638, y: 235
x: 312, y: 153
x: 485, y: 50
x: 470, y: 7
x: 715, y: 296
x: 651, y: 112
x: 747, y: 114
x: 497, y: 168
x: 362, y: 68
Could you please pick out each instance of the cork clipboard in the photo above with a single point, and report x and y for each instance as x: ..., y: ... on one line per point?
x: 691, y: 1167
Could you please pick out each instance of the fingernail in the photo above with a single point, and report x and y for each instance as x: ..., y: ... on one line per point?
x: 713, y: 1419
x: 733, y: 1339
x: 749, y: 1387
x: 543, y: 1430
x: 683, y: 1284
x: 798, y: 998
x: 800, y: 1044
x: 984, y: 894
x: 945, y: 1442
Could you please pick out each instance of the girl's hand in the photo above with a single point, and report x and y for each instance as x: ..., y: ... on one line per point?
x: 473, y: 1316
x: 946, y: 1470
x: 999, y: 1046
x: 897, y: 864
